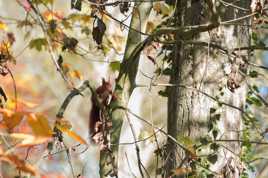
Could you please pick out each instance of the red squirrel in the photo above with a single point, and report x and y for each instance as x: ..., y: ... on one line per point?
x: 104, y: 95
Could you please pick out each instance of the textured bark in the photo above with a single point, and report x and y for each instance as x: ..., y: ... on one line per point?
x: 202, y: 68
x: 126, y: 80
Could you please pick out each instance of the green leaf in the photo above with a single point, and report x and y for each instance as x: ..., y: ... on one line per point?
x: 187, y: 141
x: 38, y: 43
x: 254, y: 36
x: 254, y: 100
x: 115, y: 66
x: 204, y: 140
x: 216, y: 117
x: 215, y: 133
x: 261, y: 44
x: 167, y: 71
x: 118, y: 87
x: 45, y: 2
x: 212, y: 158
x: 85, y: 30
x: 214, y: 146
x: 212, y: 110
x: 163, y: 93
x: 255, y: 88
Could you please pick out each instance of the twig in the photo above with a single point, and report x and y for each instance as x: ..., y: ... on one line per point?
x: 199, y: 91
x: 227, y: 4
x: 129, y: 165
x: 136, y: 145
x: 49, y: 41
x: 15, y: 88
x: 74, y: 92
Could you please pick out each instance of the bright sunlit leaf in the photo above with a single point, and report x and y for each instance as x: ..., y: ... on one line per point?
x: 56, y: 15
x: 3, y: 26
x: 29, y: 140
x: 39, y: 125
x: 13, y: 120
x: 76, y: 74
x: 71, y: 134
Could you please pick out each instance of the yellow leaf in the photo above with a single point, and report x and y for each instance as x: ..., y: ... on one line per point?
x: 63, y: 123
x: 39, y: 125
x: 71, y: 134
x: 3, y: 26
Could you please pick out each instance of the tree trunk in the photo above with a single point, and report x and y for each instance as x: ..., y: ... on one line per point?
x: 201, y: 82
x: 126, y: 84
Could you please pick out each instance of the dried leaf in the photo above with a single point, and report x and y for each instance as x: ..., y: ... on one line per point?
x: 11, y: 121
x: 181, y: 171
x: 149, y: 27
x: 99, y: 29
x: 20, y: 164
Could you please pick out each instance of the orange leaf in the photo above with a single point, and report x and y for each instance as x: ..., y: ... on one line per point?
x: 76, y: 74
x: 12, y: 120
x: 39, y: 125
x: 6, y: 112
x: 49, y: 15
x: 29, y: 140
x: 20, y: 164
x: 72, y: 134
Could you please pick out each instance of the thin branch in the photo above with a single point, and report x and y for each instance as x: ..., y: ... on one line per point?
x: 74, y: 92
x: 129, y: 166
x: 227, y: 4
x: 197, y: 90
x: 50, y: 49
x: 136, y: 145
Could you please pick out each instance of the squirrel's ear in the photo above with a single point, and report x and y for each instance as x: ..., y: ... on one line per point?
x: 103, y: 81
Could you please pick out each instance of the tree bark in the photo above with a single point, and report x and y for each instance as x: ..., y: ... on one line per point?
x: 201, y: 68
x: 125, y: 86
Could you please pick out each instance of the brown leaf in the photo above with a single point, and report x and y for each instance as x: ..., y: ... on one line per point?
x: 99, y: 29
x: 181, y: 171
